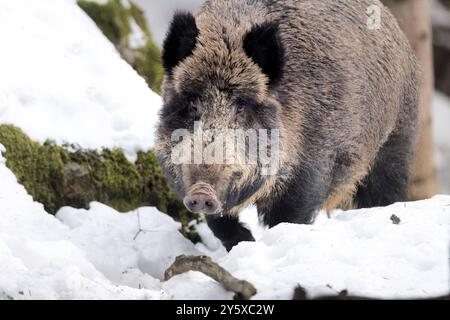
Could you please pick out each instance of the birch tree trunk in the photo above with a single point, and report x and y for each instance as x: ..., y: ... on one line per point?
x: 414, y: 19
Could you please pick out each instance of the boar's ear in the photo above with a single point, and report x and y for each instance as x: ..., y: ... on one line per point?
x: 263, y: 45
x: 180, y: 40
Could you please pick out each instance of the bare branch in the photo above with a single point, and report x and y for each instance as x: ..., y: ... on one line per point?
x: 243, y: 290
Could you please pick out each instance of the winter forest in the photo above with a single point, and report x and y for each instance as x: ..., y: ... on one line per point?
x: 90, y: 209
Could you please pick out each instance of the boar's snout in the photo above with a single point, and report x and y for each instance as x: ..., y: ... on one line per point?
x: 201, y: 203
x: 201, y: 198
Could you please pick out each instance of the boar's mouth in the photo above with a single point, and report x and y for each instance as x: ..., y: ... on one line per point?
x: 246, y: 191
x: 201, y: 198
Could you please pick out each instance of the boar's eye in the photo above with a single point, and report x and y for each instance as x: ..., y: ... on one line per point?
x: 240, y: 106
x: 194, y: 108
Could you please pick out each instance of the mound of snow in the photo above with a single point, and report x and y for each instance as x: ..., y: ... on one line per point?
x: 117, y: 242
x: 102, y: 254
x: 40, y: 261
x: 62, y: 79
x: 361, y: 251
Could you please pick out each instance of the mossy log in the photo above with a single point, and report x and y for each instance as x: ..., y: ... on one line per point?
x: 58, y: 176
x: 115, y: 19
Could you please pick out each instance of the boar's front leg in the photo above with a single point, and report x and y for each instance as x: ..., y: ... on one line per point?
x: 303, y: 197
x: 229, y: 230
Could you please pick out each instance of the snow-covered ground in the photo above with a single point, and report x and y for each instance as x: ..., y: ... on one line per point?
x: 62, y: 80
x: 99, y: 253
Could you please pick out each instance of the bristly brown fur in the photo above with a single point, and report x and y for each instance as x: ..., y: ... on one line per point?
x: 345, y: 100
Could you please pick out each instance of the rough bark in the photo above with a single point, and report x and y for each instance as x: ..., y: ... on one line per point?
x: 414, y: 19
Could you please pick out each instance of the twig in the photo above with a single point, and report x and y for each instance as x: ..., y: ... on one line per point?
x: 243, y: 290
x: 141, y: 230
x: 139, y: 225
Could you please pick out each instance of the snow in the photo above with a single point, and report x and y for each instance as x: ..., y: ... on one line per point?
x: 114, y: 244
x: 361, y: 251
x: 137, y: 38
x: 62, y: 79
x: 103, y: 254
x: 72, y: 86
x: 38, y: 259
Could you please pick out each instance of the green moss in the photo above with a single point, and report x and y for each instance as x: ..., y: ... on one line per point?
x: 39, y: 168
x: 56, y: 176
x: 149, y: 65
x: 139, y: 16
x: 111, y: 18
x: 114, y: 19
x: 107, y: 177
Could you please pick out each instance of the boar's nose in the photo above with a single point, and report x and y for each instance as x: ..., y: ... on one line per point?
x: 201, y: 203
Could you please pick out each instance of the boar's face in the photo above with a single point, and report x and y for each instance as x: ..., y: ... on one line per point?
x: 219, y: 127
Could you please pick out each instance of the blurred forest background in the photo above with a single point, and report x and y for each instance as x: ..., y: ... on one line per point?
x: 58, y: 176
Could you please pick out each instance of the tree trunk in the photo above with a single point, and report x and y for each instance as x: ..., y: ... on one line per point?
x: 414, y: 19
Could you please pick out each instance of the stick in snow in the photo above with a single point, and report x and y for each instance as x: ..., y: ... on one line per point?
x: 243, y: 290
